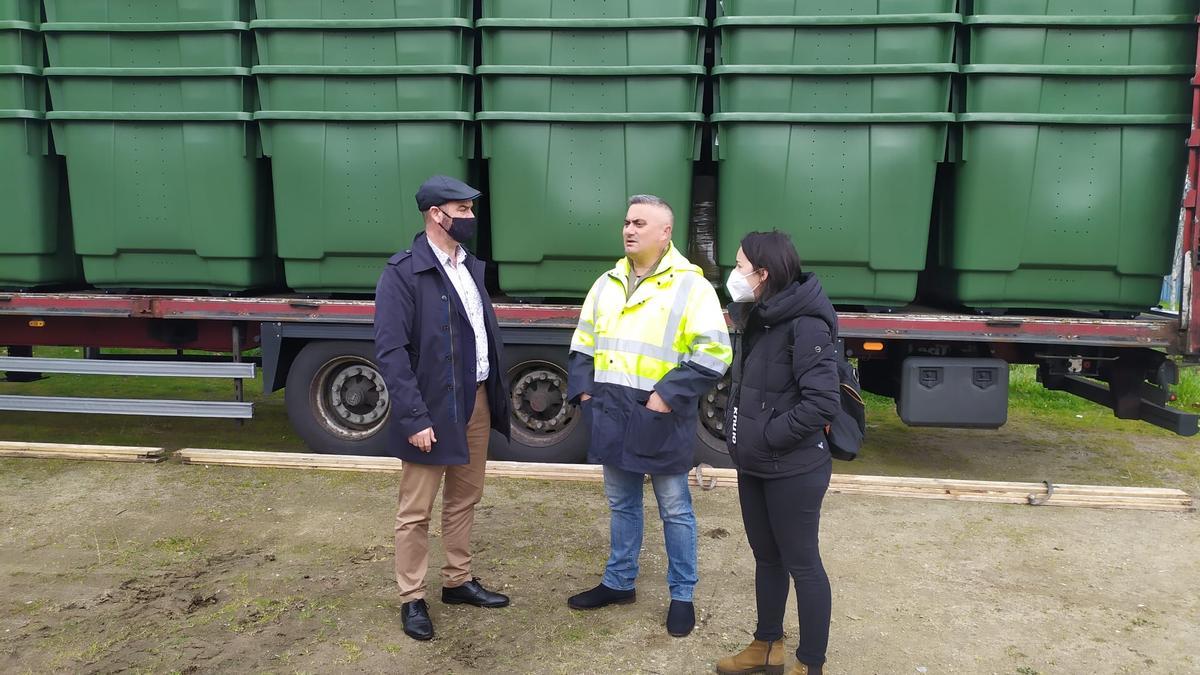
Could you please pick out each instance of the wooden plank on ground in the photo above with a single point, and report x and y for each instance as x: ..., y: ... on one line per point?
x: 995, y: 492
x: 104, y: 453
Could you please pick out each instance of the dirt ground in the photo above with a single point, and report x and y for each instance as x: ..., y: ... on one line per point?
x: 171, y: 568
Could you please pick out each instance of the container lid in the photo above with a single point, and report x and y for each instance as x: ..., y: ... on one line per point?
x: 19, y: 70
x: 582, y: 71
x: 835, y: 118
x: 1094, y: 71
x: 166, y: 27
x: 882, y: 69
x: 147, y: 72
x: 1108, y: 120
x: 1079, y: 20
x: 491, y: 116
x: 577, y: 24
x: 362, y: 70
x: 289, y: 115
x: 359, y: 24
x: 848, y: 20
x: 21, y: 115
x: 151, y: 116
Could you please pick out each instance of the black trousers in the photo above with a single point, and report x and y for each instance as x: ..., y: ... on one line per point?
x: 782, y: 517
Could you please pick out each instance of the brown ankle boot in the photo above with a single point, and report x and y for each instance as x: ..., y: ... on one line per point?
x: 759, y: 657
x: 801, y: 669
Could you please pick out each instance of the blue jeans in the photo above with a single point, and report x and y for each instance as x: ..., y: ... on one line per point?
x: 624, y: 491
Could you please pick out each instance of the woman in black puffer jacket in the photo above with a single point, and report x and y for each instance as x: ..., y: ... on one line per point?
x: 785, y: 392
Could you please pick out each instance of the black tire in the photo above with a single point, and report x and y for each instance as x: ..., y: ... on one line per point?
x: 321, y: 375
x: 535, y: 377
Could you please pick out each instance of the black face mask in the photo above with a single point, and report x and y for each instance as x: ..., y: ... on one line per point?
x: 461, y: 230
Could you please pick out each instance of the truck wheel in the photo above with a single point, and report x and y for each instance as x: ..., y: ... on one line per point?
x: 710, y: 432
x: 545, y: 428
x: 336, y: 398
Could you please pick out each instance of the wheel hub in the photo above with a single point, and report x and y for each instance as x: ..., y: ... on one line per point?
x: 541, y: 414
x: 357, y: 396
x: 712, y: 408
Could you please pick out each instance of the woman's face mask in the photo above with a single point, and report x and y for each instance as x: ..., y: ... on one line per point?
x: 739, y: 287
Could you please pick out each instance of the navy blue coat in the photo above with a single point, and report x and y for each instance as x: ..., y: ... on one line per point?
x: 426, y: 350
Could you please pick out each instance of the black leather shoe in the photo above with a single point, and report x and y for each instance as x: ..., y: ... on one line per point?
x: 601, y: 596
x: 473, y: 593
x: 417, y: 624
x: 681, y: 618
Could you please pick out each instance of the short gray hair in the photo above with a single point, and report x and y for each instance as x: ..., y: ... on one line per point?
x: 653, y: 200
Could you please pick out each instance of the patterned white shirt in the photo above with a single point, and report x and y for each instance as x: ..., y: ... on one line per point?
x: 468, y: 293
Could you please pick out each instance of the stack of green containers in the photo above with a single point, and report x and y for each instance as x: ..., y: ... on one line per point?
x: 1075, y: 128
x: 35, y: 247
x: 831, y: 119
x: 362, y: 100
x: 152, y: 110
x: 584, y: 104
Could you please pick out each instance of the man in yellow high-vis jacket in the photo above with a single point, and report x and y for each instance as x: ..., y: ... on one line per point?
x: 651, y: 341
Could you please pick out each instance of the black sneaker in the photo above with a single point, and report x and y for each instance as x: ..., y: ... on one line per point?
x: 601, y: 596
x: 681, y: 618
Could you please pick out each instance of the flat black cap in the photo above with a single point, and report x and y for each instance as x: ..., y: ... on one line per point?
x: 441, y: 189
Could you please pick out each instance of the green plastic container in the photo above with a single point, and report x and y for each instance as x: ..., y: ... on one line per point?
x: 1087, y: 7
x: 1079, y: 90
x: 854, y: 191
x: 835, y: 7
x: 363, y: 9
x: 834, y: 89
x: 591, y: 9
x: 1064, y: 212
x: 364, y: 42
x: 836, y: 40
x: 366, y: 88
x: 166, y: 200
x: 344, y: 186
x: 22, y: 88
x: 36, y: 247
x: 148, y: 11
x: 21, y: 10
x: 20, y: 44
x: 560, y: 184
x: 576, y: 89
x: 592, y: 42
x: 152, y: 89
x: 217, y: 44
x: 1159, y: 40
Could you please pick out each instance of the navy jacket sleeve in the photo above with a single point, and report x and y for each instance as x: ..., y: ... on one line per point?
x: 580, y: 375
x: 685, y: 384
x: 814, y: 366
x: 394, y: 308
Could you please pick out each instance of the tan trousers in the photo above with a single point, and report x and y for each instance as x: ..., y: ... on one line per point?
x: 419, y: 484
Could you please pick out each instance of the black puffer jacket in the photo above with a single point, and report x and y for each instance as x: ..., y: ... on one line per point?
x: 785, y: 382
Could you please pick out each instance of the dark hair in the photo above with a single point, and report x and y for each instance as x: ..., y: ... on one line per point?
x: 774, y: 252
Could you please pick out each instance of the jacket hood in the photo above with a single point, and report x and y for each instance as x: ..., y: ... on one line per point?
x: 805, y: 297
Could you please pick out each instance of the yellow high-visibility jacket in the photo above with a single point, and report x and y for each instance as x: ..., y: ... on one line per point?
x: 669, y: 337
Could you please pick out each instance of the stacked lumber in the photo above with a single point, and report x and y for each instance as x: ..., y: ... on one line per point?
x: 998, y: 492
x: 995, y: 492
x: 289, y: 460
x: 104, y: 453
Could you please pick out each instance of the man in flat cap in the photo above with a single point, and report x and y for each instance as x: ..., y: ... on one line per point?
x: 438, y: 346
